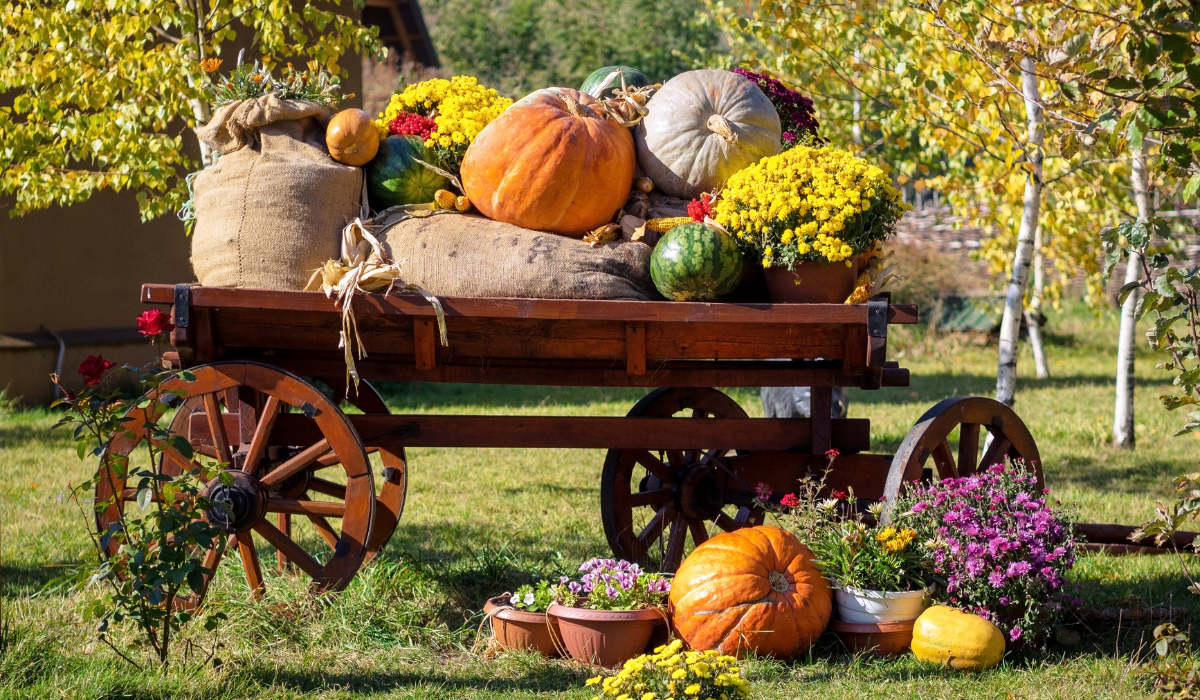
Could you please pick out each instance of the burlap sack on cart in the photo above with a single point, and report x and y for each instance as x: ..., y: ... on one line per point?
x: 271, y: 209
x: 470, y: 256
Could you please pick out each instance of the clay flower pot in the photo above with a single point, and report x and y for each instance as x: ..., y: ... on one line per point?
x: 883, y: 638
x: 521, y: 629
x: 811, y: 283
x: 605, y: 637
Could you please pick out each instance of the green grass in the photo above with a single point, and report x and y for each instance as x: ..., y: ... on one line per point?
x: 478, y: 522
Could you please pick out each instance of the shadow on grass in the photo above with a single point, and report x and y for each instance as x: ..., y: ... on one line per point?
x: 21, y: 434
x: 402, y: 396
x: 25, y: 580
x: 1132, y: 476
x: 537, y: 677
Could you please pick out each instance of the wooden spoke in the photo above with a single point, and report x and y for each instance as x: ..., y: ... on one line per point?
x: 216, y: 428
x: 182, y: 462
x: 677, y: 460
x: 655, y: 527
x: 328, y: 460
x: 294, y: 552
x: 329, y: 488
x: 291, y: 505
x: 655, y: 466
x: 284, y: 521
x: 262, y: 431
x: 943, y: 458
x: 995, y: 452
x: 726, y: 523
x: 648, y: 498
x: 250, y: 564
x: 699, y: 534
x: 325, y: 529
x: 295, y: 464
x: 968, y: 448
x: 675, y: 543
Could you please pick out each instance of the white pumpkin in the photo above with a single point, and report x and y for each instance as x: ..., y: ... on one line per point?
x: 704, y: 126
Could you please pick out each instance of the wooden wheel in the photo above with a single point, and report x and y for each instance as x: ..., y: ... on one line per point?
x: 392, y: 487
x: 653, y: 501
x: 270, y: 484
x: 970, y: 416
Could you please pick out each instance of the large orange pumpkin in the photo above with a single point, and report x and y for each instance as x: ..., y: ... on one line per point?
x: 751, y: 589
x: 551, y: 162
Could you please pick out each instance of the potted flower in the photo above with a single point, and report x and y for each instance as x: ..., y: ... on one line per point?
x: 997, y: 548
x: 608, y: 616
x: 810, y: 214
x: 877, y: 572
x: 519, y: 619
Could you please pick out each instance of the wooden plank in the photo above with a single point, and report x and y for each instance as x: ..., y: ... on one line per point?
x: 821, y: 408
x: 865, y: 473
x: 848, y: 435
x: 635, y: 348
x: 554, y: 309
x: 743, y: 341
x: 380, y: 366
x: 425, y: 343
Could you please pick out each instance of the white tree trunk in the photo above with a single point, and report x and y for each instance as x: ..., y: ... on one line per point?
x: 1123, y: 415
x: 1014, y: 302
x: 856, y: 125
x: 1033, y: 316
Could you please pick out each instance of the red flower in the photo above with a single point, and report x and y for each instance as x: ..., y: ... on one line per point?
x: 93, y: 368
x: 699, y: 208
x: 840, y: 495
x: 790, y: 501
x: 153, y: 322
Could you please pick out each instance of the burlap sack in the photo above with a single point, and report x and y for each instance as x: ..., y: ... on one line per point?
x: 470, y: 256
x: 271, y: 209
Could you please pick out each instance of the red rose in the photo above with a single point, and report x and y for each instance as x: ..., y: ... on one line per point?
x: 154, y: 322
x: 93, y: 368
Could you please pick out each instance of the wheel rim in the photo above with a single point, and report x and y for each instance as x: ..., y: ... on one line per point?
x: 270, y: 484
x: 654, y: 501
x: 971, y: 416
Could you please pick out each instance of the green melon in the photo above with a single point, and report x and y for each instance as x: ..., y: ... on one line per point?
x: 696, y: 262
x: 600, y: 84
x: 394, y: 178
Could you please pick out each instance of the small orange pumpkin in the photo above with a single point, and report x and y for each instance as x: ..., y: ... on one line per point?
x: 751, y: 589
x: 551, y: 162
x: 352, y: 138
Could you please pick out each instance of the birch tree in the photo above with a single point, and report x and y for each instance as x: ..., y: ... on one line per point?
x: 104, y: 91
x: 1124, y: 421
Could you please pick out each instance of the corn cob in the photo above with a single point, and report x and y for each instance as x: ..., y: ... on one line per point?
x: 667, y: 223
x: 862, y: 291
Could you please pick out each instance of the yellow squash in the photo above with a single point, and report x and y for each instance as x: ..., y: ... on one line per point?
x: 960, y: 640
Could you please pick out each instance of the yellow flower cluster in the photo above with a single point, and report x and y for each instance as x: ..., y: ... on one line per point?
x: 809, y: 204
x: 460, y: 107
x: 671, y: 673
x: 894, y: 540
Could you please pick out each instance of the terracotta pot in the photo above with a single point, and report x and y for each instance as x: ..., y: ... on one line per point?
x: 605, y: 637
x: 883, y: 638
x: 521, y: 629
x: 810, y: 283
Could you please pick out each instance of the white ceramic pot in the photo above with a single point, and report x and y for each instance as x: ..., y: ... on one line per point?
x: 855, y: 605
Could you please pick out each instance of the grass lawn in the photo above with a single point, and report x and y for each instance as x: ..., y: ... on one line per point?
x: 478, y: 522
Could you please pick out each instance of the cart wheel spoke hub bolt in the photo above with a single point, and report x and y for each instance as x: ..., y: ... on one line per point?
x: 236, y: 506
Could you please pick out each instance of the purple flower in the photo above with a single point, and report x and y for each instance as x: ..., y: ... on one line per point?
x: 574, y: 588
x: 996, y: 579
x: 1017, y: 568
x: 1014, y: 633
x: 796, y: 113
x: 611, y: 592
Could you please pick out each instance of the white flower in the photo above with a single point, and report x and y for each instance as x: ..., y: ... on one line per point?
x: 515, y: 600
x: 828, y: 504
x: 529, y: 598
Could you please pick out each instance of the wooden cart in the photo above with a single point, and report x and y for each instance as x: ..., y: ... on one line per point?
x: 258, y: 357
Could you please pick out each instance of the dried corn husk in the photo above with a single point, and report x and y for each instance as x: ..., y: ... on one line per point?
x: 876, y: 274
x: 627, y: 106
x: 366, y: 267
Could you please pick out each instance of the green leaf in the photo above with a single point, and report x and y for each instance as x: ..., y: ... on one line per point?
x: 144, y: 498
x: 1122, y: 84
x: 1192, y: 186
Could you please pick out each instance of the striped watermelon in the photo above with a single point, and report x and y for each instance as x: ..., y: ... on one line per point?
x: 394, y: 178
x: 696, y: 262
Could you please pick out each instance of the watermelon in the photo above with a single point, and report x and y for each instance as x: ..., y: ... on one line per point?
x: 599, y: 84
x: 696, y: 262
x: 394, y: 178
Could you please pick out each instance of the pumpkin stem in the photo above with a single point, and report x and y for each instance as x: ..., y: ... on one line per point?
x: 573, y: 105
x: 722, y: 127
x: 778, y: 581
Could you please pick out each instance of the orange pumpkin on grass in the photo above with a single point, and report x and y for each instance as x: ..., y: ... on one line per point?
x: 551, y: 162
x: 751, y: 589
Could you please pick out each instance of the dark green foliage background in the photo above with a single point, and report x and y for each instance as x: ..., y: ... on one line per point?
x: 518, y: 46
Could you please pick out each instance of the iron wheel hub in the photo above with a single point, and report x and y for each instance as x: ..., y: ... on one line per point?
x: 244, y: 500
